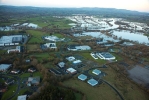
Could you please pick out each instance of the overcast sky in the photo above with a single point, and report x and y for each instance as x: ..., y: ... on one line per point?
x: 138, y: 5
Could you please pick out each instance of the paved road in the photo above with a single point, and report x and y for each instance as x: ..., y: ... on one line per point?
x: 114, y: 89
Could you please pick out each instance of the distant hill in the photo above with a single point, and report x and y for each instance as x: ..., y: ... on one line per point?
x: 104, y: 12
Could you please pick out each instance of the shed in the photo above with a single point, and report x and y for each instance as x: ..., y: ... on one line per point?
x: 71, y: 70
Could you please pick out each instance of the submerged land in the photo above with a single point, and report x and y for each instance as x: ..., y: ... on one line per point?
x: 73, y: 54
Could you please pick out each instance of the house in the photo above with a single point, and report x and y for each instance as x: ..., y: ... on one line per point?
x: 71, y: 71
x: 22, y: 97
x: 105, y: 56
x: 82, y: 77
x: 5, y: 67
x: 92, y: 82
x: 50, y: 45
x: 71, y: 58
x: 3, y: 88
x: 32, y: 69
x: 94, y: 55
x: 15, y: 71
x: 96, y: 72
x: 61, y: 64
x: 9, y: 81
x: 33, y: 81
x: 77, y: 61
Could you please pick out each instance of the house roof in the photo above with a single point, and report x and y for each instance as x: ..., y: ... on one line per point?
x: 61, y: 64
x: 22, y: 97
x: 82, y: 77
x: 4, y: 66
x: 92, y: 82
x: 107, y: 55
x: 71, y: 58
x: 96, y: 71
x: 77, y: 61
x: 34, y: 80
x: 71, y: 70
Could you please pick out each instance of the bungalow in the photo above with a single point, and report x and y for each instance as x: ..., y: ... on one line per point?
x: 15, y: 71
x: 71, y: 71
x: 33, y: 81
x: 61, y: 64
x: 50, y: 45
x: 32, y: 70
x: 71, y: 58
x: 5, y: 67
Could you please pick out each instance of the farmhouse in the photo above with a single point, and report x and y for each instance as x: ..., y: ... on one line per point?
x: 105, y: 56
x: 71, y: 71
x: 82, y: 77
x: 96, y: 71
x: 92, y: 82
x: 4, y: 67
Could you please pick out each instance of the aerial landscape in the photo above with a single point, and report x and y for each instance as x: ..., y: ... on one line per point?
x: 85, y: 51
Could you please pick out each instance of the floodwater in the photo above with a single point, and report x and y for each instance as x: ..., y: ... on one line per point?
x: 139, y: 37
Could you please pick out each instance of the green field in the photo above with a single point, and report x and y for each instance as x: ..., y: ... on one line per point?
x: 9, y: 92
x: 100, y: 92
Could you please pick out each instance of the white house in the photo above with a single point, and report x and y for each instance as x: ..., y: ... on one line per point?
x: 50, y: 45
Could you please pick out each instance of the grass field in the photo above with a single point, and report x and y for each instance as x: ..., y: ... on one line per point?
x: 33, y: 47
x: 100, y: 92
x: 129, y: 90
x: 28, y: 74
x: 9, y: 92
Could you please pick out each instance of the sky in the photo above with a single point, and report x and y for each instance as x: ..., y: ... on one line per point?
x: 137, y: 5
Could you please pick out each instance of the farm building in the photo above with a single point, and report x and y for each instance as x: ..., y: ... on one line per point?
x: 82, y: 77
x: 105, y: 56
x: 92, y: 82
x: 96, y: 71
x: 94, y: 55
x: 17, y: 49
x: 71, y: 71
x: 4, y: 67
x: 77, y: 61
x: 33, y: 81
x: 53, y: 38
x: 15, y: 71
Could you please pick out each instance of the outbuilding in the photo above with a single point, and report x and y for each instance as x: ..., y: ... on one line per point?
x: 96, y: 71
x: 71, y: 71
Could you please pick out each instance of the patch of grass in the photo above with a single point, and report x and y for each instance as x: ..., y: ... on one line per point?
x: 25, y: 75
x: 9, y: 92
x: 117, y: 56
x: 58, y: 35
x: 36, y: 36
x: 78, y: 96
x: 100, y: 92
x: 33, y: 47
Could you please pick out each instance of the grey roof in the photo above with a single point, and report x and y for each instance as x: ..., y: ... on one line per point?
x: 82, y: 77
x: 34, y: 80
